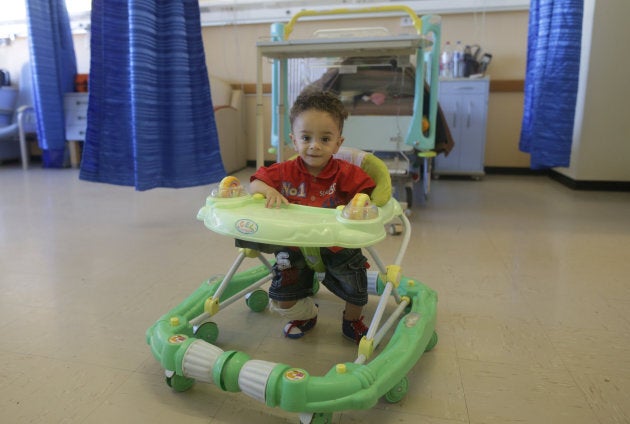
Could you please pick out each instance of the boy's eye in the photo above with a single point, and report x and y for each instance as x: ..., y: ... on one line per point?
x: 325, y: 139
x: 305, y: 138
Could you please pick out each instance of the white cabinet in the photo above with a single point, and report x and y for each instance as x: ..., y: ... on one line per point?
x: 465, y: 106
x: 75, y: 106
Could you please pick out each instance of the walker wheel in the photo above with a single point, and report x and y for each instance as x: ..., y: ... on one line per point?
x: 257, y: 300
x: 208, y: 331
x: 180, y: 383
x: 432, y: 342
x: 398, y: 392
x: 395, y: 229
x: 316, y: 418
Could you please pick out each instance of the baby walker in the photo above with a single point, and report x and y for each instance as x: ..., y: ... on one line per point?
x: 183, y: 339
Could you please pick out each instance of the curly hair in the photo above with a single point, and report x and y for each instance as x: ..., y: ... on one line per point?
x: 325, y: 101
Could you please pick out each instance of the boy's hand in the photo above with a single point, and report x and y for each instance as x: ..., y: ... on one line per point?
x: 275, y: 199
x: 273, y: 196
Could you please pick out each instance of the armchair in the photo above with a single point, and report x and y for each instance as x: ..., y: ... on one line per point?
x: 228, y: 114
x: 17, y: 118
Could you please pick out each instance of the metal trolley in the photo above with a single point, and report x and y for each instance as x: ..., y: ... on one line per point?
x: 399, y: 126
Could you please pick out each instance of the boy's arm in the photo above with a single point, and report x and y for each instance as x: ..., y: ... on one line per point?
x: 273, y: 196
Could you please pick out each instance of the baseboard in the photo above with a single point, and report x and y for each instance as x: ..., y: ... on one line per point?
x: 589, y: 184
x: 252, y: 163
x: 513, y: 170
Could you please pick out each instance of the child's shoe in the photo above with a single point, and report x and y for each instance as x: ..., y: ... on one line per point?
x: 354, y: 330
x: 296, y: 328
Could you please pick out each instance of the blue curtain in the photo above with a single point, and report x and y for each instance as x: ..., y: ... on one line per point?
x: 53, y: 67
x: 551, y: 81
x: 150, y: 115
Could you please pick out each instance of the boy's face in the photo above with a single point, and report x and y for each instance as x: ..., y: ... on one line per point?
x: 316, y: 138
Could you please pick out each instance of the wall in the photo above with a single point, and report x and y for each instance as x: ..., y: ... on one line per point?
x: 601, y: 141
x: 231, y: 55
x: 14, y: 56
x: 504, y: 34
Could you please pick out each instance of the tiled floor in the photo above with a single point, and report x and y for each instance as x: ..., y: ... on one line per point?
x: 533, y: 323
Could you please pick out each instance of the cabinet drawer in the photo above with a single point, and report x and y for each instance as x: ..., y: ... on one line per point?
x: 75, y: 101
x: 75, y: 133
x: 464, y: 86
x: 76, y: 117
x: 76, y: 110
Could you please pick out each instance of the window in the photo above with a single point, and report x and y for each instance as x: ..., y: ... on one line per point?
x: 13, y: 17
x: 233, y: 12
x: 222, y: 12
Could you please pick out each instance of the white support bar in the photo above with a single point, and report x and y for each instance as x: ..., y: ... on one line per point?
x: 265, y: 262
x: 380, y: 309
x: 390, y: 322
x: 229, y: 275
x: 379, y: 264
x: 200, y: 319
x: 361, y: 359
x: 246, y: 290
x: 396, y: 295
x: 405, y: 241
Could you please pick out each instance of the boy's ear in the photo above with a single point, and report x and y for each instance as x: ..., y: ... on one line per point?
x: 340, y: 142
x: 293, y: 141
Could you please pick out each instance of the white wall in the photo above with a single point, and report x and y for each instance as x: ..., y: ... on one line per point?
x: 14, y: 56
x: 601, y: 138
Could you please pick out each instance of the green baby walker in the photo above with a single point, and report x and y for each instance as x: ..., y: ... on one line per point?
x: 182, y: 340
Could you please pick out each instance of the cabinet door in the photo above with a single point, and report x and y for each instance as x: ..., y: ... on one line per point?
x: 464, y: 104
x: 472, y: 133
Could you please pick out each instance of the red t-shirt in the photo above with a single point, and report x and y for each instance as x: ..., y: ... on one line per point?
x: 336, y: 185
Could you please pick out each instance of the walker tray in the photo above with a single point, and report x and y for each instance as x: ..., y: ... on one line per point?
x: 246, y: 217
